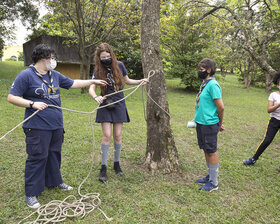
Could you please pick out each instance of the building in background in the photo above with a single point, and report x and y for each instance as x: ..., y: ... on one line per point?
x: 68, y: 61
x: 11, y: 52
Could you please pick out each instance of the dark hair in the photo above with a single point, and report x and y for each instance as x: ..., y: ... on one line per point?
x: 42, y: 51
x: 208, y: 63
x: 276, y: 78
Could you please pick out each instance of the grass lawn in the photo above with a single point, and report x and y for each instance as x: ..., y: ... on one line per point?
x: 245, y: 195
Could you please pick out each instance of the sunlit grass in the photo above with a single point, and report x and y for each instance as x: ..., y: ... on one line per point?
x: 245, y: 195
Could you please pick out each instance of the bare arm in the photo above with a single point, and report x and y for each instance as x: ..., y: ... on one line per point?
x: 92, y: 93
x: 78, y: 83
x: 271, y: 107
x: 220, y: 110
x: 19, y: 101
x: 129, y: 81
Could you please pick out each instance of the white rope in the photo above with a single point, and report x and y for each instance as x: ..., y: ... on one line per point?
x: 18, y: 125
x: 57, y: 211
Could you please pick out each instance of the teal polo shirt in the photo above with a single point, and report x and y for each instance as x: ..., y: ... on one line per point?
x: 206, y: 113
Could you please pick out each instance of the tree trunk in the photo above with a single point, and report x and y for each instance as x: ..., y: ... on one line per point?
x: 268, y: 86
x: 161, y: 152
x: 261, y: 61
x: 246, y: 73
x: 223, y: 73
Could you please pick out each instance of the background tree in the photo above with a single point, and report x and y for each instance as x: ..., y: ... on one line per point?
x: 256, y: 26
x: 161, y: 151
x: 10, y: 10
x: 126, y: 41
x: 183, y: 43
x: 186, y: 40
x: 87, y: 23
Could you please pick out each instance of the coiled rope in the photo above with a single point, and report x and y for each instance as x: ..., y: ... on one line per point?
x: 56, y: 210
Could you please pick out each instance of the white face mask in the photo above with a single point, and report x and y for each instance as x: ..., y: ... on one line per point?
x: 52, y: 65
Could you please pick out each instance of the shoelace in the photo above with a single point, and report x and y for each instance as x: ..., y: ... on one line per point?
x: 32, y: 200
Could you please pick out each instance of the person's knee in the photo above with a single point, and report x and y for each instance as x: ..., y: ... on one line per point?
x: 211, y: 154
x: 118, y: 138
x: 106, y: 138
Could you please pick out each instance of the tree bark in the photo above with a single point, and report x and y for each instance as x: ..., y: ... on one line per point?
x: 161, y: 152
x: 262, y: 62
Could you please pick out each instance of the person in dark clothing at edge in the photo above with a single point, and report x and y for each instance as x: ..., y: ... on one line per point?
x: 273, y: 126
x: 35, y: 88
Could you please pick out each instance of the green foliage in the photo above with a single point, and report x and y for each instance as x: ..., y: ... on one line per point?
x: 21, y: 56
x: 10, y: 10
x: 1, y: 47
x: 126, y: 41
x: 246, y: 194
x: 185, y: 41
x: 11, y: 59
x: 88, y: 23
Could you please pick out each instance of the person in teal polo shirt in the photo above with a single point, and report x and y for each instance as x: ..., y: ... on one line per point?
x: 209, y: 113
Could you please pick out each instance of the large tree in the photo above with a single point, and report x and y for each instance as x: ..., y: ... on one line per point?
x: 256, y: 25
x: 10, y: 10
x: 88, y: 23
x: 161, y: 152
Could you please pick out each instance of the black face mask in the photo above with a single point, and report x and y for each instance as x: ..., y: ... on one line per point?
x: 107, y: 62
x: 202, y: 75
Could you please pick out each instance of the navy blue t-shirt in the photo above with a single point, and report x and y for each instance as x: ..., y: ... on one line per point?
x: 29, y: 86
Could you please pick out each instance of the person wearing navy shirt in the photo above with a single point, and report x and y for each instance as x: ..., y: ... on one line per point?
x: 35, y: 88
x: 108, y: 68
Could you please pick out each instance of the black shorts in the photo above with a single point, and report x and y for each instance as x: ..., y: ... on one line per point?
x: 207, y: 137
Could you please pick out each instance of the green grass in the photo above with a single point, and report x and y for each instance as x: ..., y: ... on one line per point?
x: 245, y: 195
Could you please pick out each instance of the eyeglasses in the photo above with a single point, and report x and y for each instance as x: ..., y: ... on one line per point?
x: 51, y: 58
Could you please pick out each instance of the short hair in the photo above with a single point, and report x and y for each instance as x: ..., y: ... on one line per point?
x: 208, y: 63
x: 276, y: 78
x: 42, y: 51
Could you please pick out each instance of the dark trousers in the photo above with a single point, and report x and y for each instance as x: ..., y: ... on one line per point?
x: 43, y: 163
x: 271, y: 130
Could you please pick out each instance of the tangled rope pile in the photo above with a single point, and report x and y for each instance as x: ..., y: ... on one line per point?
x: 56, y: 210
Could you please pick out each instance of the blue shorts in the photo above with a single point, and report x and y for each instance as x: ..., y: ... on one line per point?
x: 207, y: 137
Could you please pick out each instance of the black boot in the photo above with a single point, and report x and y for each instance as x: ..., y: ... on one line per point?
x: 117, y: 168
x: 103, y: 175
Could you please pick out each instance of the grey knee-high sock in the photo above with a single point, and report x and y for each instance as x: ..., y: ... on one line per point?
x: 117, y: 152
x: 104, y: 156
x: 207, y: 164
x: 213, y: 173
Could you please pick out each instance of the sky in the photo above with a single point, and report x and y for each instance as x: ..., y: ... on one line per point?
x: 21, y: 32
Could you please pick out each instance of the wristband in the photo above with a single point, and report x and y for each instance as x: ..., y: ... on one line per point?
x: 31, y: 104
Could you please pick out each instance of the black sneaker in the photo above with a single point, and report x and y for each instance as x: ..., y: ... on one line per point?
x: 65, y: 187
x: 103, y: 174
x: 118, y: 169
x: 32, y: 202
x: 250, y: 161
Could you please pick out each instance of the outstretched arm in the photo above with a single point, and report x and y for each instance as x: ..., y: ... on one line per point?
x: 129, y: 81
x: 78, y: 83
